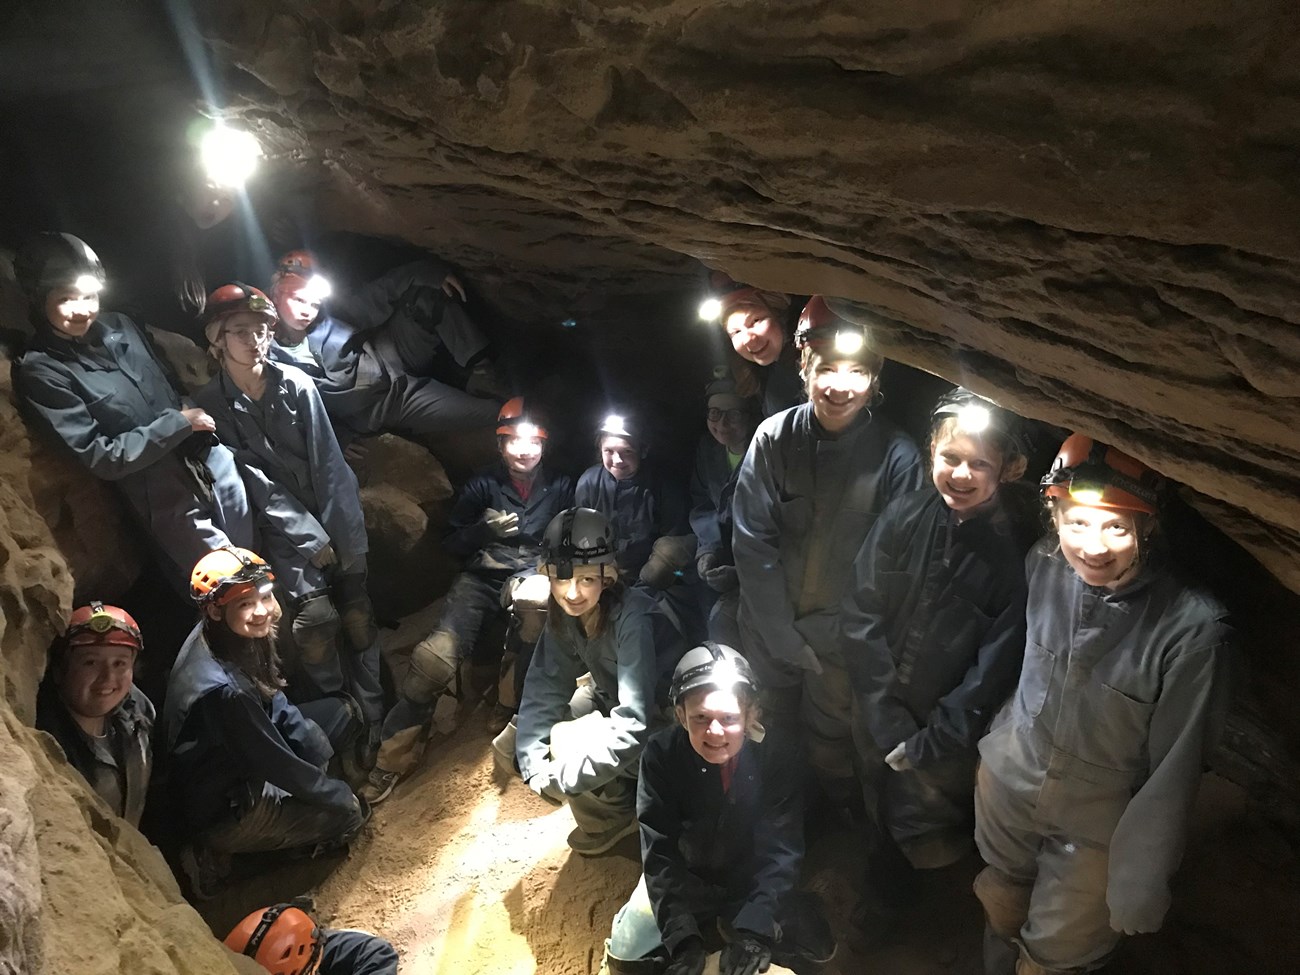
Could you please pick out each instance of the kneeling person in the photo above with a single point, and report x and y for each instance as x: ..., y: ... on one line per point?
x: 721, y: 816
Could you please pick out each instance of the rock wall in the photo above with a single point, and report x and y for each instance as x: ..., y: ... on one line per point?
x: 1088, y: 210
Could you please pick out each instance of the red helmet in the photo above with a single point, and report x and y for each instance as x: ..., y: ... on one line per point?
x: 100, y: 625
x: 513, y: 420
x: 282, y: 939
x: 829, y: 335
x: 226, y: 573
x: 230, y: 299
x: 1090, y: 472
x: 731, y: 294
x: 300, y: 263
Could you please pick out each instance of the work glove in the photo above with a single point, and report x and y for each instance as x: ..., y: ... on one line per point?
x: 658, y: 573
x: 722, y: 579
x: 500, y: 523
x: 897, y: 758
x: 688, y: 959
x: 705, y: 563
x: 747, y: 955
x: 544, y: 784
x: 325, y: 557
x: 1137, y: 910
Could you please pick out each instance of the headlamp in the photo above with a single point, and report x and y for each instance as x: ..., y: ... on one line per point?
x: 229, y: 156
x: 1086, y: 484
x: 88, y: 284
x: 101, y: 621
x: 848, y: 342
x: 973, y: 418
x: 318, y: 288
x: 710, y: 310
x: 615, y: 426
x: 526, y: 429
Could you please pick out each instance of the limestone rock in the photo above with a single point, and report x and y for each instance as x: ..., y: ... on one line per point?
x: 404, y: 466
x: 394, y: 521
x: 193, y: 366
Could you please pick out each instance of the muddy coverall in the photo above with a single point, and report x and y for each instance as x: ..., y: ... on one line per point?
x: 112, y: 401
x: 476, y: 594
x: 804, y: 504
x: 933, y: 632
x: 306, y: 497
x: 118, y: 765
x: 250, y: 773
x: 345, y: 951
x: 711, y: 854
x: 628, y: 662
x: 1088, y: 775
x: 713, y: 484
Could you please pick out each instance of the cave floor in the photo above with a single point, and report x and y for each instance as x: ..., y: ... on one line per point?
x: 469, y: 874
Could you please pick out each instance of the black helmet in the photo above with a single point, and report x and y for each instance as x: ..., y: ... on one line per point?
x: 711, y: 665
x: 618, y: 424
x: 978, y: 414
x: 51, y: 260
x: 577, y: 536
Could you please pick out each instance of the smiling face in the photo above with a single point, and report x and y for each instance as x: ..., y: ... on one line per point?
x: 715, y: 720
x: 730, y: 422
x: 838, y: 389
x: 755, y: 333
x: 580, y: 594
x: 71, y: 311
x: 245, y: 337
x: 966, y: 471
x: 94, y: 680
x: 251, y: 614
x: 1100, y: 545
x: 619, y: 457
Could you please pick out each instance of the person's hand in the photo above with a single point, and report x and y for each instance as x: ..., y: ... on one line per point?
x: 199, y: 420
x: 452, y: 287
x: 723, y: 578
x: 325, y: 557
x: 544, y: 784
x: 1139, y: 910
x: 688, y: 959
x: 705, y: 563
x: 747, y: 955
x: 500, y: 523
x: 897, y: 758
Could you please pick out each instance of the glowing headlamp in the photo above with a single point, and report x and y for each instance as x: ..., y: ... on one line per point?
x: 318, y: 288
x: 973, y: 418
x: 526, y: 430
x: 88, y: 284
x: 710, y: 310
x: 848, y: 342
x: 615, y: 426
x: 229, y: 156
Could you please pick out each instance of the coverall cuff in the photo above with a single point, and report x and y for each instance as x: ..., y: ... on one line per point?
x: 756, y: 919
x: 680, y: 930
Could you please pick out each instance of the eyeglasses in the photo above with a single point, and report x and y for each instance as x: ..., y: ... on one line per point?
x: 731, y: 416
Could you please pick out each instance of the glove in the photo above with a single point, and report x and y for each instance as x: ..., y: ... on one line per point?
x: 722, y: 579
x: 325, y: 557
x: 706, y: 563
x: 897, y: 758
x: 688, y: 959
x: 500, y: 523
x: 658, y: 573
x: 1137, y: 910
x: 748, y: 955
x: 544, y: 784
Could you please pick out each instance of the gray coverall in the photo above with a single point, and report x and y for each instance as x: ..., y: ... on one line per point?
x: 1089, y: 774
x: 111, y: 400
x: 713, y: 484
x: 804, y: 504
x: 625, y: 662
x: 306, y: 497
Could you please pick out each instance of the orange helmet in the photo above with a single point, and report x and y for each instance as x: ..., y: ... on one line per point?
x: 726, y: 294
x: 831, y: 336
x: 514, y: 421
x: 282, y: 939
x: 300, y: 263
x: 231, y: 299
x: 1090, y: 472
x: 227, y: 573
x: 100, y: 625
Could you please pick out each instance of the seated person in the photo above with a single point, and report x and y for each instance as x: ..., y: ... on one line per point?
x: 93, y: 382
x: 759, y: 326
x: 594, y: 626
x: 731, y: 419
x: 307, y: 502
x: 91, y: 706
x: 496, y: 525
x: 364, y: 392
x: 249, y: 767
x: 721, y: 813
x: 655, y: 549
x: 285, y: 940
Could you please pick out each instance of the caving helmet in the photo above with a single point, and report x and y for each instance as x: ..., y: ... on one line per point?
x: 621, y: 425
x: 1095, y: 474
x: 297, y: 269
x: 828, y: 335
x: 299, y: 262
x: 724, y: 294
x: 978, y: 415
x: 231, y: 299
x: 713, y: 665
x: 577, y: 536
x: 51, y: 260
x: 225, y: 574
x: 282, y: 938
x: 515, y: 421
x: 99, y: 625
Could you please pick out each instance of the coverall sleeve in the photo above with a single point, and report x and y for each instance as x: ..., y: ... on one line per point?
x: 551, y: 680
x: 756, y: 542
x: 1147, y: 845
x: 704, y: 513
x: 904, y: 469
x: 778, y: 845
x: 616, y: 743
x: 466, y: 531
x: 584, y: 492
x: 675, y: 890
x: 334, y: 482
x: 373, y: 303
x: 279, y: 510
x: 864, y: 635
x: 348, y: 952
x: 257, y: 746
x: 51, y: 402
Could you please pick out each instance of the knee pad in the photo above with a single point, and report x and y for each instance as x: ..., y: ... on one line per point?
x: 1005, y: 900
x: 315, y: 628
x: 433, y: 667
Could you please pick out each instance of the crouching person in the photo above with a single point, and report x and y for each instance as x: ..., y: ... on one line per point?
x: 285, y: 940
x: 594, y: 625
x: 91, y: 706
x: 250, y: 767
x: 721, y: 813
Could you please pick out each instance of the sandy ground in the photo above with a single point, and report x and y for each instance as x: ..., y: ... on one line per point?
x: 468, y: 874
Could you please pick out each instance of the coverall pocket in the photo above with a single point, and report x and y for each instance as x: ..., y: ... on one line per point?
x: 1122, y: 724
x: 1035, y: 678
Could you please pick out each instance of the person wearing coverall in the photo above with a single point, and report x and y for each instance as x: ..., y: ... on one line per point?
x: 932, y: 630
x: 655, y: 548
x: 731, y: 422
x: 720, y: 804
x: 91, y: 706
x: 307, y: 502
x: 1088, y: 776
x: 757, y: 325
x: 286, y: 940
x: 811, y: 486
x: 361, y: 377
x: 94, y: 382
x: 249, y: 768
x: 497, y: 525
x: 579, y: 740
